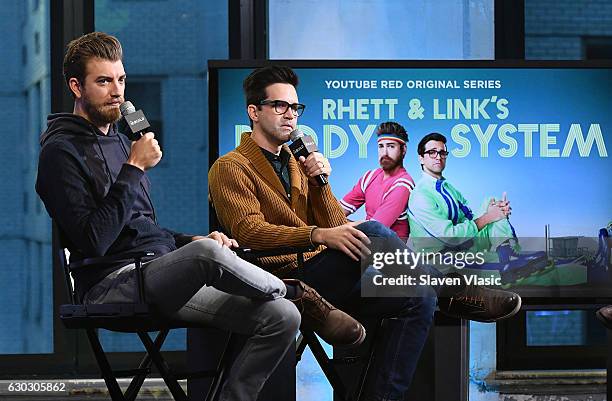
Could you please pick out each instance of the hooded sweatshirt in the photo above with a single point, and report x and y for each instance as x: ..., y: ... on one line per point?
x: 100, y: 204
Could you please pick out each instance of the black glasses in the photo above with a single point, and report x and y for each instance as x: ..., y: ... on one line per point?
x: 281, y: 107
x: 434, y: 153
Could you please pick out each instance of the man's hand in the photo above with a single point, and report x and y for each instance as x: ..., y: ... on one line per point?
x: 221, y: 238
x: 315, y: 164
x: 145, y: 152
x: 495, y: 211
x: 345, y: 238
x: 504, y: 204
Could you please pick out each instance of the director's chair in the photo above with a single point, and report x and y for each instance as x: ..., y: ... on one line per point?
x: 137, y: 317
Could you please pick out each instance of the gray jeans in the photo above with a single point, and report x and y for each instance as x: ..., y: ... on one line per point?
x: 208, y: 284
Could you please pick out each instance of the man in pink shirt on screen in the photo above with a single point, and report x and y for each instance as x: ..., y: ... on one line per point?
x: 385, y: 191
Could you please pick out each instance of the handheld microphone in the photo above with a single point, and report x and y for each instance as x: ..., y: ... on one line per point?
x: 135, y: 121
x: 303, y: 145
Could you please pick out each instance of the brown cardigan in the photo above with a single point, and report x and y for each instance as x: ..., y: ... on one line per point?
x: 253, y: 206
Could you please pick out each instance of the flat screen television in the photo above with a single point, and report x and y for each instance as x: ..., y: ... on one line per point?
x: 539, y: 131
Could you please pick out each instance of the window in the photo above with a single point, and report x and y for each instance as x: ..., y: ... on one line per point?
x: 389, y: 30
x: 146, y: 95
x: 36, y: 43
x: 568, y: 327
x: 26, y: 324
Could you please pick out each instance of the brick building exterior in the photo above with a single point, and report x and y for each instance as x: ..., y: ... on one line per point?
x: 566, y: 29
x: 25, y: 274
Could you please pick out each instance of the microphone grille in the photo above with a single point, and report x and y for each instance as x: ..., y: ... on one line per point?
x: 295, y: 134
x: 127, y: 108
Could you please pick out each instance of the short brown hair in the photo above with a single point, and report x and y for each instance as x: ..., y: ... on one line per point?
x: 92, y: 45
x: 256, y: 83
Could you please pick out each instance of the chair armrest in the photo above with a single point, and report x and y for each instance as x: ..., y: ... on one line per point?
x: 110, y: 259
x: 137, y: 257
x: 247, y: 253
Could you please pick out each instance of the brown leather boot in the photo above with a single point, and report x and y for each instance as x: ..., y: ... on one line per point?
x: 331, y: 324
x: 473, y: 302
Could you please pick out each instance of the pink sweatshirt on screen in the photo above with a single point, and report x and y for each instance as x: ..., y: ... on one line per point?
x: 386, y: 200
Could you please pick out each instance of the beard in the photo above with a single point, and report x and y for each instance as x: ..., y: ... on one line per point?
x: 389, y: 164
x: 101, y: 114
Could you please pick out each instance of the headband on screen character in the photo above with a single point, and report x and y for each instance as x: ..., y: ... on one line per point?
x: 390, y: 136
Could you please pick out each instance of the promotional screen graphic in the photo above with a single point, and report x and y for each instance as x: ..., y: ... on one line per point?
x: 536, y: 135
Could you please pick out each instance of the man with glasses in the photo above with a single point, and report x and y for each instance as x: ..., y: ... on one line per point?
x: 439, y: 216
x: 267, y: 199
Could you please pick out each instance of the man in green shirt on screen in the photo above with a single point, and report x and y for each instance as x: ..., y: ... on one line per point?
x: 441, y: 221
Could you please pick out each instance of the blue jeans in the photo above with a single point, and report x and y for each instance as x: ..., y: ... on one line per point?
x: 338, y: 278
x: 207, y: 284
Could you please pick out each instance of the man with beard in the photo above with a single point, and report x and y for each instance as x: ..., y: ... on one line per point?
x: 93, y: 184
x: 386, y: 190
